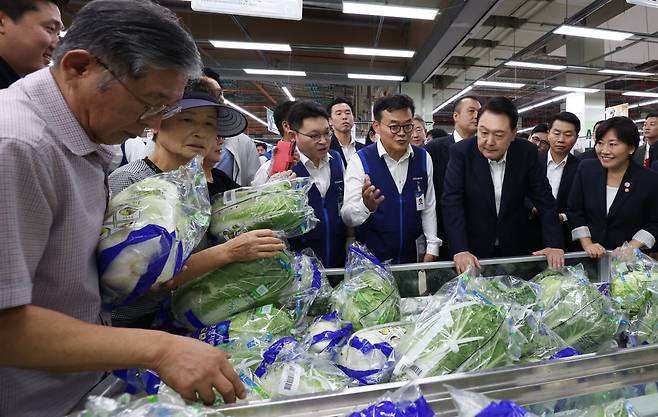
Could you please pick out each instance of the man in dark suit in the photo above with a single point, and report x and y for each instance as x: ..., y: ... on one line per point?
x: 341, y: 119
x: 486, y: 183
x: 465, y: 116
x: 643, y: 156
x: 560, y: 167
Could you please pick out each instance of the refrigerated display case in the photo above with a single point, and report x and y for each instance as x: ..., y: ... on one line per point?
x: 527, y: 385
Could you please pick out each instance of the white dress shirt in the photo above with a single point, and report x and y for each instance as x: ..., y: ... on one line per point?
x: 348, y: 150
x: 354, y: 211
x: 320, y: 176
x: 554, y: 171
x: 457, y: 136
x: 497, y: 169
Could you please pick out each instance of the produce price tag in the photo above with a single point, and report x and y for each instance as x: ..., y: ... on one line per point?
x: 290, y: 378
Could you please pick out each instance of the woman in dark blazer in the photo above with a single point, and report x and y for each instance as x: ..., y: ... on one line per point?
x: 613, y: 199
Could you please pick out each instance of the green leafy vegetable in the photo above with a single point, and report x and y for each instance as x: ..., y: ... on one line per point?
x: 281, y: 206
x: 235, y: 288
x: 576, y: 310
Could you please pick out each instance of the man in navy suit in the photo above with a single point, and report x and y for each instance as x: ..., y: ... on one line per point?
x: 560, y: 167
x: 465, y: 116
x: 341, y: 119
x: 486, y: 183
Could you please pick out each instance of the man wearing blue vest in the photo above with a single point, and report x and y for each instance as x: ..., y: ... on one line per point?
x: 389, y: 193
x: 308, y: 124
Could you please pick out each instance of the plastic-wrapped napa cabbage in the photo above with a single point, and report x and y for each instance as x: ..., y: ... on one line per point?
x: 150, y: 229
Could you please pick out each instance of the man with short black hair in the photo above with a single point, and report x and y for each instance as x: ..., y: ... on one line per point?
x: 646, y: 154
x: 281, y: 118
x: 464, y: 115
x: 341, y: 119
x: 29, y: 32
x: 561, y: 166
x: 389, y: 194
x: 487, y: 181
x: 435, y: 133
x: 307, y: 124
x: 539, y: 136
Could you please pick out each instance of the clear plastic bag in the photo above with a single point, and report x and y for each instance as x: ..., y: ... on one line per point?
x: 473, y: 404
x: 288, y: 370
x: 327, y: 334
x: 279, y: 205
x: 150, y: 229
x: 368, y: 296
x: 237, y: 287
x: 370, y: 354
x: 407, y: 401
x: 309, y: 282
x: 166, y: 403
x: 634, y: 276
x: 460, y: 330
x: 574, y: 309
x: 266, y: 321
x: 643, y: 330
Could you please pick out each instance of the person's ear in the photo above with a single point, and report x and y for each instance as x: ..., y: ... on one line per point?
x: 77, y: 63
x: 4, y: 21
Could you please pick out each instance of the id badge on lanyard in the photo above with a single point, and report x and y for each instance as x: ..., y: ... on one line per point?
x: 420, y: 196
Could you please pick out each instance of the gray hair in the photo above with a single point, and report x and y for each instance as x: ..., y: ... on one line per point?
x: 419, y: 119
x: 132, y: 37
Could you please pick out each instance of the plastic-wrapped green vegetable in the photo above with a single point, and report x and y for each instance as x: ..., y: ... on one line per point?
x: 459, y: 330
x: 644, y: 328
x: 369, y: 295
x: 633, y: 277
x: 266, y: 321
x: 287, y: 370
x: 576, y: 310
x: 281, y: 206
x: 149, y: 230
x: 235, y: 288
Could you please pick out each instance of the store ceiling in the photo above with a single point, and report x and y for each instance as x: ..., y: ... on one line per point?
x: 469, y: 40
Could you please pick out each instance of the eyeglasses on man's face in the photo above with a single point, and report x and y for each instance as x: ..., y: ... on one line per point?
x: 150, y: 111
x: 317, y: 137
x: 406, y: 128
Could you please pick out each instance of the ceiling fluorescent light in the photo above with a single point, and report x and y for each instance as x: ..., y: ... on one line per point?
x: 498, y: 84
x: 378, y: 9
x: 640, y: 120
x: 376, y: 77
x: 285, y: 90
x: 535, y: 65
x: 639, y: 94
x: 576, y: 89
x: 453, y: 98
x: 275, y: 72
x: 621, y: 72
x: 402, y: 53
x: 256, y: 46
x: 584, y: 32
x: 527, y: 129
x: 238, y: 108
x: 543, y: 103
x: 643, y: 103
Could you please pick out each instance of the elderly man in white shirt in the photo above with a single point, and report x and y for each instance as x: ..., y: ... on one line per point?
x: 389, y: 194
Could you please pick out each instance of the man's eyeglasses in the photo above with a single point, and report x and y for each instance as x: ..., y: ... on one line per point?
x: 316, y: 137
x: 150, y: 110
x: 405, y: 128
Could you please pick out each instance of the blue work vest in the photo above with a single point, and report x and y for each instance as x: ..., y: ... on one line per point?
x: 392, y: 230
x: 328, y: 238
